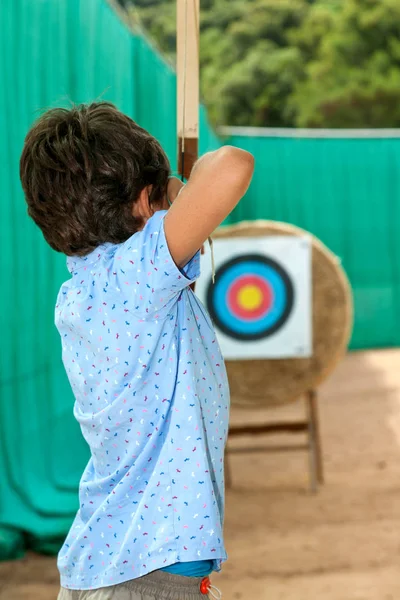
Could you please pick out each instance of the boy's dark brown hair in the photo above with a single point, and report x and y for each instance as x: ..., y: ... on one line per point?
x: 82, y: 169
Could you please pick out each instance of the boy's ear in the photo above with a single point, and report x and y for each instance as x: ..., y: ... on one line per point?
x: 141, y: 208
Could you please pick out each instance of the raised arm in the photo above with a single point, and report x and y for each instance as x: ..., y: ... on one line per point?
x: 217, y: 183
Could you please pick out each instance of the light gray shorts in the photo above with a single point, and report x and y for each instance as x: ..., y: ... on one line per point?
x: 157, y: 585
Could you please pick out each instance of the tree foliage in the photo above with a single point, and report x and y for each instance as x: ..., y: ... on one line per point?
x: 285, y: 63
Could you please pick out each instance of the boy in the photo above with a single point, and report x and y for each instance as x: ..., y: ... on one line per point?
x: 140, y: 351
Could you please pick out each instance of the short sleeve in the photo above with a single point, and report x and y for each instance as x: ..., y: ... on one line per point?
x: 148, y: 277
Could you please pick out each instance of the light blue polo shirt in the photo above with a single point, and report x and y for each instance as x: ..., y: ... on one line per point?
x: 152, y: 400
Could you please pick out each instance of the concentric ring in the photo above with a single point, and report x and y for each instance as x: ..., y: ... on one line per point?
x: 252, y: 297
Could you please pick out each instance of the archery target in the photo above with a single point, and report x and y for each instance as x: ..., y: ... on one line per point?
x: 252, y: 297
x: 260, y: 303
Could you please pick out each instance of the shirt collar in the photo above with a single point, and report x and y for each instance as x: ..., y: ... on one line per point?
x: 75, y: 263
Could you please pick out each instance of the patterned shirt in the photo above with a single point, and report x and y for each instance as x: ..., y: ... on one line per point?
x: 152, y: 400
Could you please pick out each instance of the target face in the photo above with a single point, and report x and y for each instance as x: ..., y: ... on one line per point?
x: 252, y: 297
x: 260, y: 303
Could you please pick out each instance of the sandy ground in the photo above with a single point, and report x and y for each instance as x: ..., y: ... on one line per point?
x: 283, y: 542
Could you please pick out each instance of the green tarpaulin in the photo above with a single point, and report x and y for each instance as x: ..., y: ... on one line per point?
x: 53, y: 52
x: 346, y: 191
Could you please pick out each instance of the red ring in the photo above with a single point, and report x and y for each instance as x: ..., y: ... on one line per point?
x: 238, y: 310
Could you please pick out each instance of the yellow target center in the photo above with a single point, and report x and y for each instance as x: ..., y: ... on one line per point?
x: 250, y: 297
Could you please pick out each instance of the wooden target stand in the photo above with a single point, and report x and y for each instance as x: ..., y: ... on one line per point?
x: 272, y: 383
x: 309, y: 427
